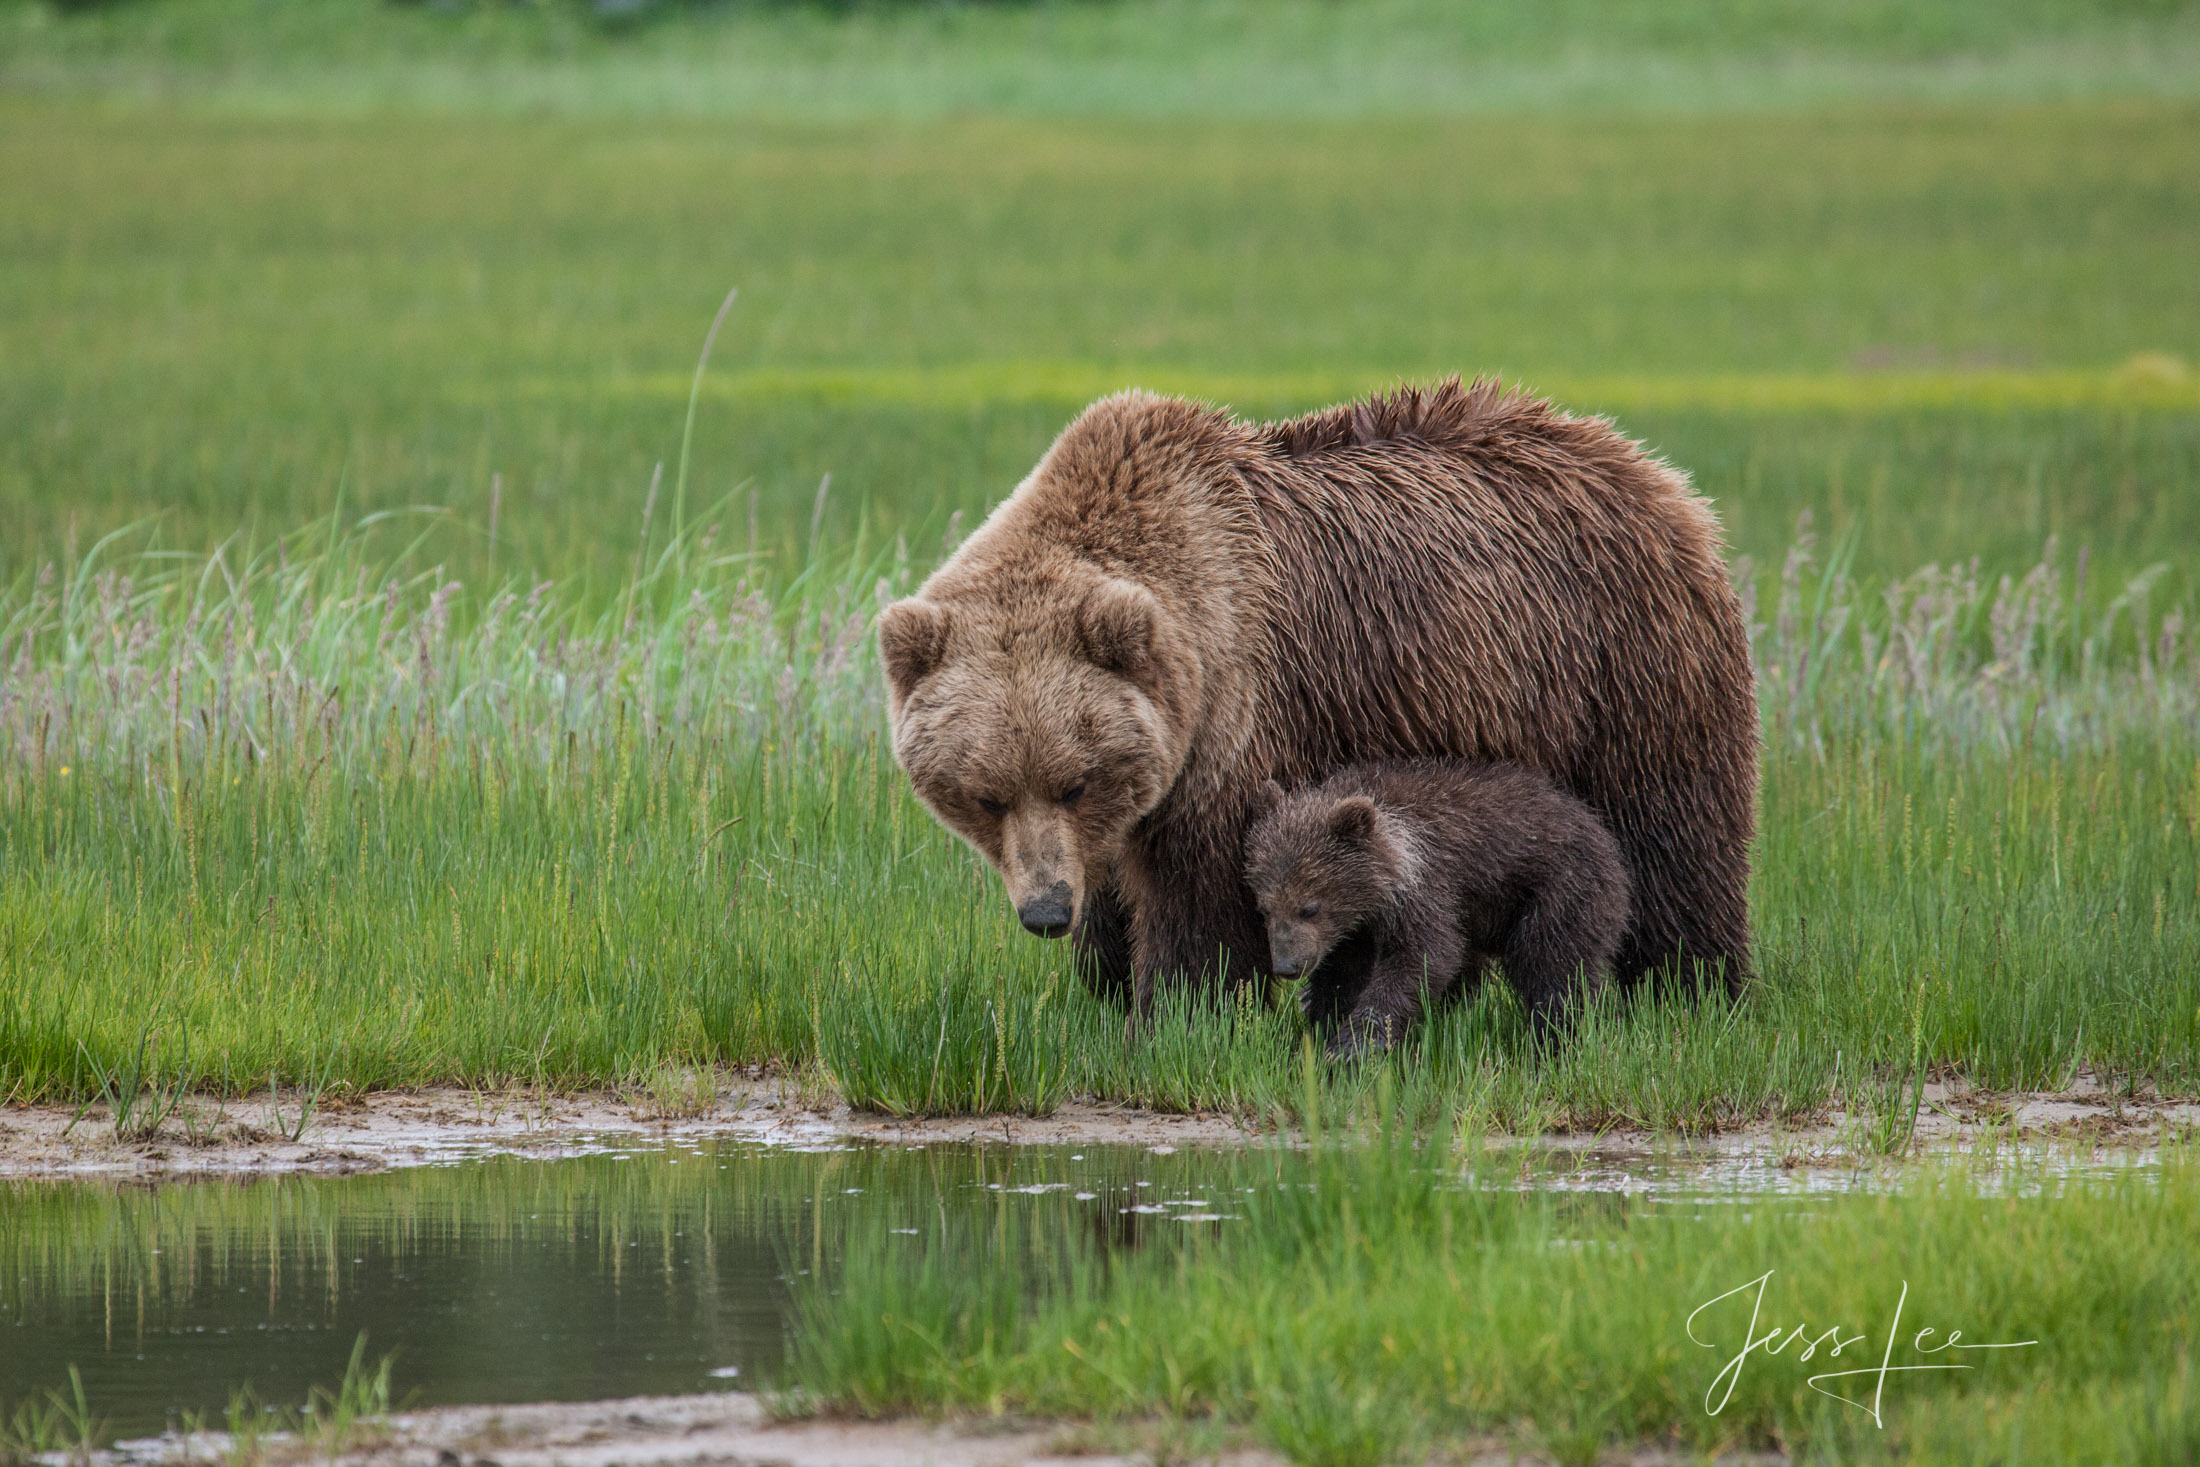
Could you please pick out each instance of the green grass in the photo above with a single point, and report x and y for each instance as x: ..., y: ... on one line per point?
x: 1914, y: 321
x: 291, y: 816
x: 1093, y: 57
x: 1370, y: 1303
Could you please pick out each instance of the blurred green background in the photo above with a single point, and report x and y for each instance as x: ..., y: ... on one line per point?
x: 1926, y: 270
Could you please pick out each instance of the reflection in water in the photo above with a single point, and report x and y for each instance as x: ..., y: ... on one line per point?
x: 618, y: 1273
x: 624, y: 1271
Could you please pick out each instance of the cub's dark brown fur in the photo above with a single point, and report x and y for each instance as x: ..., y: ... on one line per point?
x: 1177, y: 606
x: 1432, y: 869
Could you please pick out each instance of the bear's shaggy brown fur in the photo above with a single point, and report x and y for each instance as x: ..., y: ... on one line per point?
x: 1434, y: 867
x: 1177, y: 606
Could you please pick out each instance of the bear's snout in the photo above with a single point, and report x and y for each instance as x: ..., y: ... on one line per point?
x: 1049, y: 913
x: 1290, y: 952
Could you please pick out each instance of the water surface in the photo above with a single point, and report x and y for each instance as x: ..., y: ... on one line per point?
x: 628, y: 1271
x: 625, y: 1269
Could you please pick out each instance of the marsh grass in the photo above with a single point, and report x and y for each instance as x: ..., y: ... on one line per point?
x: 1135, y: 58
x: 1951, y: 330
x: 291, y: 816
x: 139, y: 1090
x: 52, y: 1423
x: 681, y: 1092
x: 332, y: 1421
x: 1378, y: 1295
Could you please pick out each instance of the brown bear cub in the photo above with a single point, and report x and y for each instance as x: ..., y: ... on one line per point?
x: 1386, y: 882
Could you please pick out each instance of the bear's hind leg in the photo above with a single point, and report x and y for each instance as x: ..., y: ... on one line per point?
x: 1559, y: 952
x: 1690, y: 922
x: 1686, y: 847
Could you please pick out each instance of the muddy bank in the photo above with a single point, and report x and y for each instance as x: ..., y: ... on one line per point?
x: 734, y: 1428
x: 261, y: 1134
x: 656, y: 1431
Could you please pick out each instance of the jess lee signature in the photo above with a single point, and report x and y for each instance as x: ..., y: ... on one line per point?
x: 1776, y: 1340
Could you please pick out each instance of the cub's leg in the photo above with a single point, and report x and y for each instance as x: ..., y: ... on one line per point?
x: 1423, y: 957
x: 1328, y: 993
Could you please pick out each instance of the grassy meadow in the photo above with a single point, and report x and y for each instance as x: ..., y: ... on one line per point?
x: 1138, y: 58
x: 286, y: 817
x: 380, y: 708
x: 1949, y: 331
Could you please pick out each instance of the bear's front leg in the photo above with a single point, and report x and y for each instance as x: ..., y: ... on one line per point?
x: 1198, y: 928
x: 1102, y: 944
x: 1424, y: 959
x: 1327, y: 994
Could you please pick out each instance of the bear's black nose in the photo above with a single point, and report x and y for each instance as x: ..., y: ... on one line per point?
x: 1047, y: 916
x: 1285, y: 967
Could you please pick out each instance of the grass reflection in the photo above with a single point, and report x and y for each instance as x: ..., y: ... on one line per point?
x: 624, y: 1272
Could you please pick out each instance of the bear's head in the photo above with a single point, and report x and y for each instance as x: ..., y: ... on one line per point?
x: 1320, y: 866
x: 1041, y: 721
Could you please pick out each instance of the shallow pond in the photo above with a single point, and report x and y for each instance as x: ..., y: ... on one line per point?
x: 617, y: 1269
x: 624, y: 1270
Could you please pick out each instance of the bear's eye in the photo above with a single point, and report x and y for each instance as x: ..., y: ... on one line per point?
x: 1074, y: 793
x: 992, y: 807
x: 1310, y: 911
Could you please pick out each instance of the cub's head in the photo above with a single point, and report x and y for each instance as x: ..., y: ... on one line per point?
x: 1320, y: 866
x: 1041, y: 723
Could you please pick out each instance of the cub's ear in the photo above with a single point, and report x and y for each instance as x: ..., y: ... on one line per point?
x: 1117, y: 622
x: 1352, y: 820
x: 1265, y: 799
x: 912, y: 638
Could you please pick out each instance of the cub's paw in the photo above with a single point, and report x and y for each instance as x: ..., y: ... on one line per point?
x: 1363, y: 1034
x: 1323, y: 1004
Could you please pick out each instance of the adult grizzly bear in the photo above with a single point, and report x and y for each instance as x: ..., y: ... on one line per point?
x: 1177, y: 606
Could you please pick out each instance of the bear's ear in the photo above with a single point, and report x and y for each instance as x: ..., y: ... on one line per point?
x: 1352, y: 820
x: 1265, y: 799
x: 1116, y: 623
x: 912, y: 637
